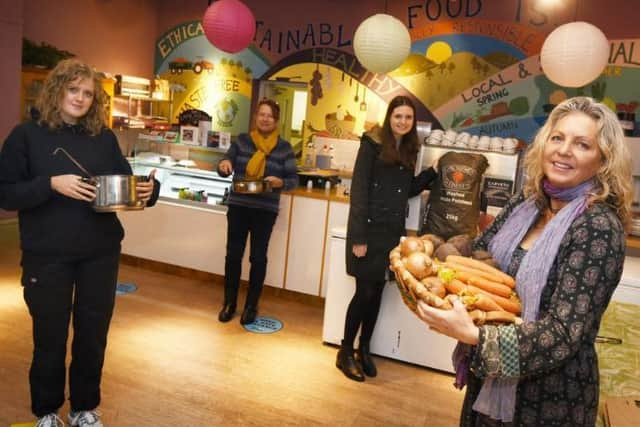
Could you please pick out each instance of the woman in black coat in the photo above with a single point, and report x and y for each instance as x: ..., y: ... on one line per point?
x: 382, y: 183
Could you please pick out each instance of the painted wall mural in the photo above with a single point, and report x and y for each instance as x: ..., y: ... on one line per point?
x: 465, y: 72
x: 204, y: 78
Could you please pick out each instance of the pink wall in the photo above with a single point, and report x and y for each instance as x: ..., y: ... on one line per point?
x: 11, y: 54
x: 115, y: 36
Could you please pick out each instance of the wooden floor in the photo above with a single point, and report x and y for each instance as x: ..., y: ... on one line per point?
x: 171, y: 363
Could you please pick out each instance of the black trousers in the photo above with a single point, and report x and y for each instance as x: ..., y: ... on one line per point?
x: 53, y: 291
x: 363, y: 311
x: 241, y: 222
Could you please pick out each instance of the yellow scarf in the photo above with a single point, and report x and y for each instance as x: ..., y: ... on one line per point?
x: 264, y: 146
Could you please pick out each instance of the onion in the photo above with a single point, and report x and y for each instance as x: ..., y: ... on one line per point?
x: 410, y: 245
x: 418, y: 264
x: 429, y: 247
x: 435, y: 286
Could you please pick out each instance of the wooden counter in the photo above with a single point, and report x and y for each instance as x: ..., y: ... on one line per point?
x: 317, y: 193
x: 633, y: 242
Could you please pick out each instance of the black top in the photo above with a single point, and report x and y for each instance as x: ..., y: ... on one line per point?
x: 53, y: 225
x: 378, y: 208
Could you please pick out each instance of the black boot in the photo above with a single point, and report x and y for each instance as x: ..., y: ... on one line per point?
x: 364, y: 357
x: 249, y: 315
x: 227, y: 312
x: 347, y: 364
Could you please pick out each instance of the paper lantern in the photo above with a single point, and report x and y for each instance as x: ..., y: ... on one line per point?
x: 574, y: 54
x: 381, y: 43
x: 229, y: 25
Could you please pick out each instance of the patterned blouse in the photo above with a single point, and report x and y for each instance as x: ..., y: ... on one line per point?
x: 554, y: 357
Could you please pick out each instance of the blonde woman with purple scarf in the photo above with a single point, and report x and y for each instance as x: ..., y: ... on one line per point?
x: 563, y: 239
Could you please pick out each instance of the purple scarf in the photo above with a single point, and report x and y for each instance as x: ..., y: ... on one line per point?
x: 497, y: 395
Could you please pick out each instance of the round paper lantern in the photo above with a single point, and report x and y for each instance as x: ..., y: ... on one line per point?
x: 574, y: 54
x: 381, y: 43
x: 229, y: 25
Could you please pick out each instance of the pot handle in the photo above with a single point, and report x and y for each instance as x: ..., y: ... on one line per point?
x: 75, y: 162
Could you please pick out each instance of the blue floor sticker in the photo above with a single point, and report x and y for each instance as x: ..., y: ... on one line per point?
x: 125, y: 288
x: 264, y: 325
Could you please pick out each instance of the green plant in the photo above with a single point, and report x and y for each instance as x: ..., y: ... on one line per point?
x: 43, y: 54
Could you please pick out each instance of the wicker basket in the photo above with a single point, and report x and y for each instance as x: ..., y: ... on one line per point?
x: 408, y: 298
x: 411, y: 298
x: 408, y: 295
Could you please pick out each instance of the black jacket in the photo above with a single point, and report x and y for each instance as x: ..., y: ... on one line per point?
x: 378, y: 208
x: 52, y: 225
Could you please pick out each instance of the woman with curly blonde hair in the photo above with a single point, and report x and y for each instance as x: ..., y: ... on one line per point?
x: 563, y: 240
x: 50, y: 108
x: 613, y: 178
x: 70, y: 253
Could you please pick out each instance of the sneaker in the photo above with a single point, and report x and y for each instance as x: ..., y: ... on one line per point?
x: 85, y: 419
x: 50, y: 420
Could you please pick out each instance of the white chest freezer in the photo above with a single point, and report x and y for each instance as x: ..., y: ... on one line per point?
x: 399, y: 334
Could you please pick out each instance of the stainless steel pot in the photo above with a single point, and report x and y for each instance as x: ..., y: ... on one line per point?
x: 248, y: 186
x: 117, y: 193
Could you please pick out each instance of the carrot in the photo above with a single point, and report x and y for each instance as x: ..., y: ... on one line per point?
x: 478, y: 317
x: 479, y: 265
x: 485, y: 303
x: 455, y: 286
x: 489, y: 286
x: 502, y: 317
x: 461, y: 268
x: 512, y: 305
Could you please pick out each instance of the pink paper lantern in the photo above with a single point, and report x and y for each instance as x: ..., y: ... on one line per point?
x: 229, y: 25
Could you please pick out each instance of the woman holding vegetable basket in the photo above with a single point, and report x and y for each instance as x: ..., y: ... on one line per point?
x: 563, y: 240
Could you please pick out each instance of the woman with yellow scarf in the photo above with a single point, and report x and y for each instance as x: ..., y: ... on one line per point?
x: 260, y: 154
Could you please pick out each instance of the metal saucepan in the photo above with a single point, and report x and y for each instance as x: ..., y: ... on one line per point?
x: 251, y: 186
x: 117, y: 193
x: 113, y: 192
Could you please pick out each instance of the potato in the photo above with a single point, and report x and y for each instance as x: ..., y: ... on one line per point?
x: 462, y: 242
x: 445, y: 250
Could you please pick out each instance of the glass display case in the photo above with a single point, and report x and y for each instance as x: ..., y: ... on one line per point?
x: 183, y: 179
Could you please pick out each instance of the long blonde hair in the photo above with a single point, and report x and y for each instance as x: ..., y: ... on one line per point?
x: 614, y: 182
x: 48, y: 103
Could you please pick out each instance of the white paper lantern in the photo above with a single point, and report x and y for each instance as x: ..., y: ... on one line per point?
x: 574, y: 54
x: 381, y: 43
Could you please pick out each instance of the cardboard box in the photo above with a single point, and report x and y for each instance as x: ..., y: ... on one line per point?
x: 622, y: 412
